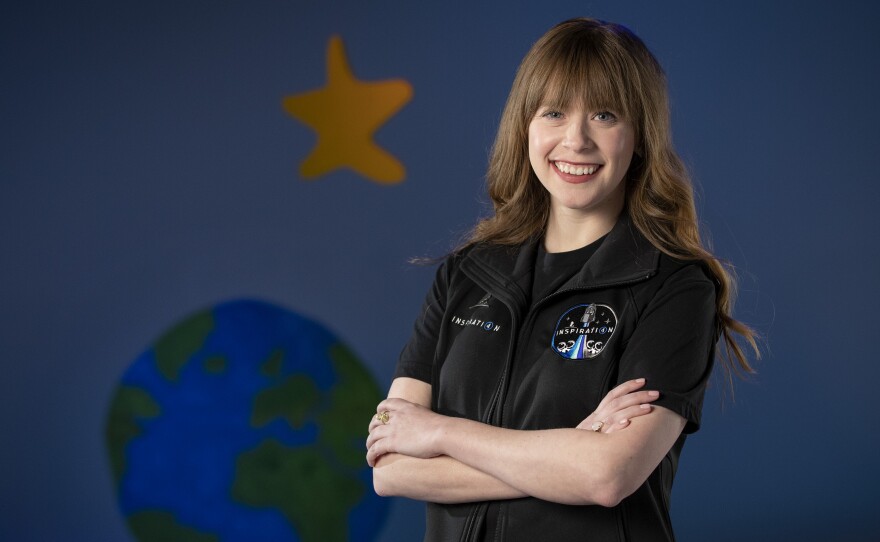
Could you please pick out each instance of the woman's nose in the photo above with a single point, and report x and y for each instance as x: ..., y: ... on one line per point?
x: 577, y: 136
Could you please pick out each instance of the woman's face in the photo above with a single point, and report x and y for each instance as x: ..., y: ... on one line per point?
x: 581, y: 158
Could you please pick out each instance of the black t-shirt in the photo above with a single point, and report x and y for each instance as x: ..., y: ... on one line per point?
x: 553, y: 269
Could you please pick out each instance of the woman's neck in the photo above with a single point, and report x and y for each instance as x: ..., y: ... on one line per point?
x: 567, y: 230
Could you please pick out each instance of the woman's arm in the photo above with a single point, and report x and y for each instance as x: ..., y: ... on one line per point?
x: 436, y: 479
x: 442, y: 477
x: 569, y: 466
x: 565, y: 465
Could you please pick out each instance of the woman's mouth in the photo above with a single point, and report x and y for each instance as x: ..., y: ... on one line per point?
x: 577, y: 170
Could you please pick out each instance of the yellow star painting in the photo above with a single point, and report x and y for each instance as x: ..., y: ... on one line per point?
x: 345, y: 113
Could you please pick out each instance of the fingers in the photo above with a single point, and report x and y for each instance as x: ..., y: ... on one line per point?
x: 377, y: 443
x: 621, y: 419
x: 621, y: 390
x: 620, y: 408
x: 379, y: 430
x: 390, y: 406
x: 626, y: 401
x: 375, y: 434
x: 393, y: 403
x: 387, y: 405
x: 373, y: 454
x: 616, y: 420
x: 375, y: 421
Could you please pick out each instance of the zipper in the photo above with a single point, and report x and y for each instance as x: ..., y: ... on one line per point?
x: 499, y: 397
x: 487, y: 283
x: 468, y: 532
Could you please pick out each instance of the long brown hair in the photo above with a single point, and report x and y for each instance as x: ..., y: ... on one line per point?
x: 605, y: 66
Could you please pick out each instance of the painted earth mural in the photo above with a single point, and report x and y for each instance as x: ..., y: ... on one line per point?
x: 245, y: 422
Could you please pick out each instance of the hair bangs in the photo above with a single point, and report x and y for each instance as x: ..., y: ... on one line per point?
x: 582, y: 74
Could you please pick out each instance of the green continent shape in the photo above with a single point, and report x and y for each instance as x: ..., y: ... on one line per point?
x: 159, y: 526
x: 311, y: 494
x: 175, y: 348
x: 272, y: 366
x: 343, y: 426
x: 216, y: 365
x: 128, y: 405
x: 292, y: 400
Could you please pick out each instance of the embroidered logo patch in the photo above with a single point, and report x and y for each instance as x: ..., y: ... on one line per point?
x: 584, y: 331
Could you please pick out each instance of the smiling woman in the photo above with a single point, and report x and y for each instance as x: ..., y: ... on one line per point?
x: 561, y: 357
x: 581, y: 159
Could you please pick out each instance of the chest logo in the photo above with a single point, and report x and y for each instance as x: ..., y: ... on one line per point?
x: 483, y: 302
x: 583, y: 331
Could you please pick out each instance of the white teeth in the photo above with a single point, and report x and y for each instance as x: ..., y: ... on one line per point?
x: 576, y: 170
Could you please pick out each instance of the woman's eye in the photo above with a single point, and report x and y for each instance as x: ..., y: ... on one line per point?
x: 605, y: 116
x: 552, y: 114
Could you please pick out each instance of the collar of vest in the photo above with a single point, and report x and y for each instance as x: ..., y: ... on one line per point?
x: 624, y: 257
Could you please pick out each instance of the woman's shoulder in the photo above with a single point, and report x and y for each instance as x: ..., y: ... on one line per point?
x: 483, y: 250
x: 676, y: 271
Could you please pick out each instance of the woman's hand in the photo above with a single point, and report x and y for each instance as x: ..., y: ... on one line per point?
x: 408, y: 429
x: 619, y: 406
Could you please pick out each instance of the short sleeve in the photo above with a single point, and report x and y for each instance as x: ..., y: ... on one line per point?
x: 417, y: 357
x: 673, y: 345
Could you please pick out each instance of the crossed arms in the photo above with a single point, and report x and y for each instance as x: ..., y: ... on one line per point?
x: 426, y: 456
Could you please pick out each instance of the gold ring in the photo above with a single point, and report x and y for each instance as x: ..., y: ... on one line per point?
x: 382, y: 417
x: 597, y: 426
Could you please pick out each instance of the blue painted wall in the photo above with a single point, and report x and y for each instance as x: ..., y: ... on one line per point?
x: 147, y: 170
